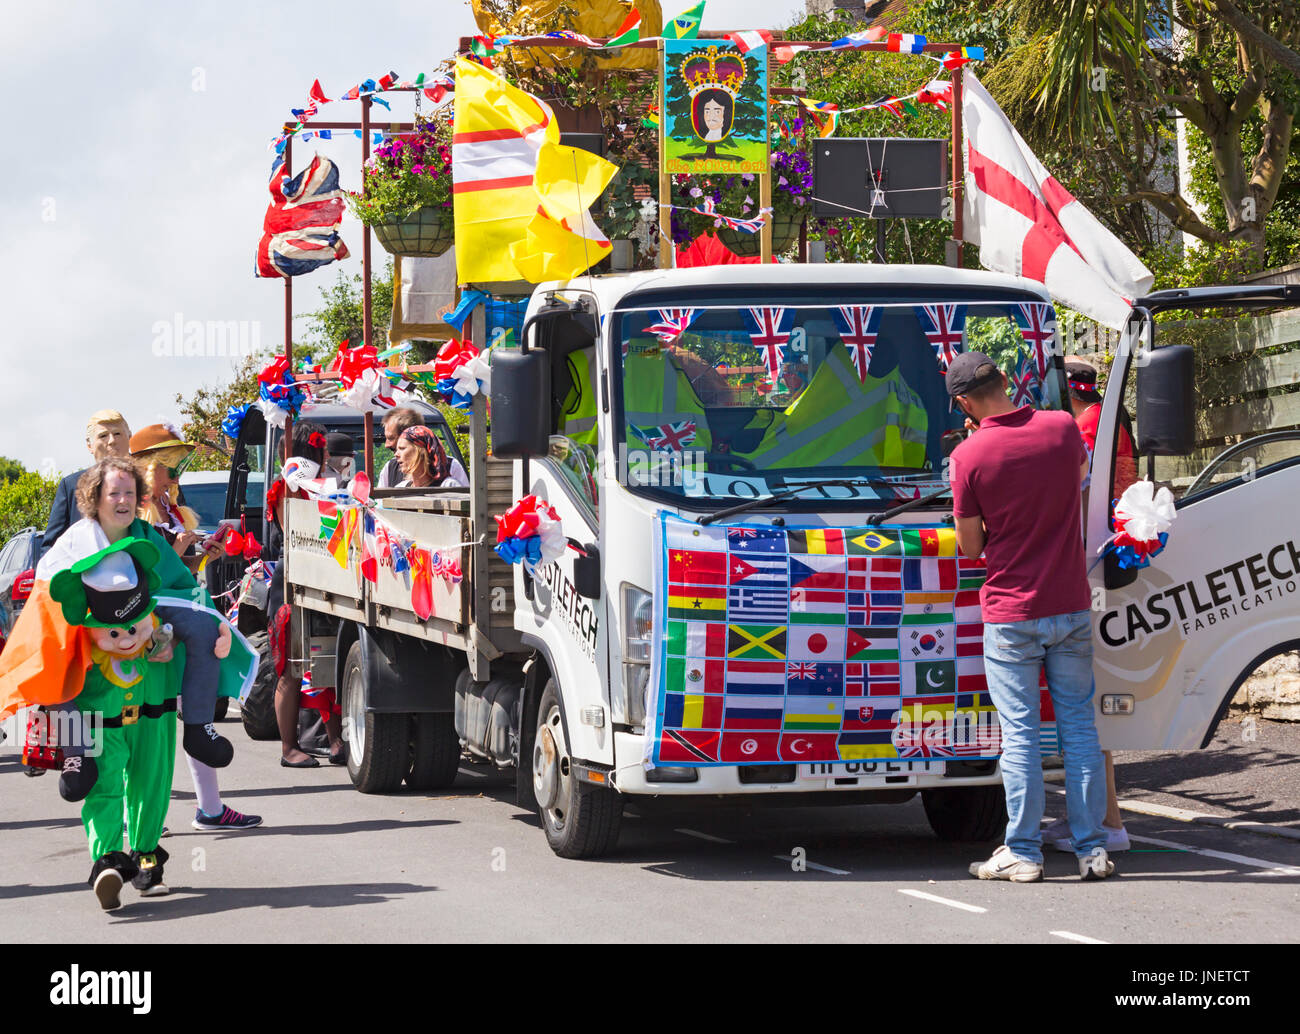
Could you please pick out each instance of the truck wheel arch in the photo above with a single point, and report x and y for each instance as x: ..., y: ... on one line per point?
x: 1267, y: 655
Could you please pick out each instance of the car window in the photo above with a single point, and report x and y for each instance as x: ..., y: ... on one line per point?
x: 8, y: 556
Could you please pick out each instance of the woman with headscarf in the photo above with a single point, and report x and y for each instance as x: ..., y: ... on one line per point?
x: 424, y: 461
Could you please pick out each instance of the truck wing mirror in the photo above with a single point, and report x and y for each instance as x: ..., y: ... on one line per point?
x: 521, y: 403
x: 586, y: 573
x: 1166, y: 409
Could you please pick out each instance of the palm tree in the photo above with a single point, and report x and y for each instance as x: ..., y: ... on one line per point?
x: 1104, y: 73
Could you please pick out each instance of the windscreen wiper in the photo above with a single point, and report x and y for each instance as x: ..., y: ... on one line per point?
x: 750, y: 504
x: 911, y: 504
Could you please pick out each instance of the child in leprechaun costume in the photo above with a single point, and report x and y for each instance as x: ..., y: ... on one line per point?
x: 128, y: 703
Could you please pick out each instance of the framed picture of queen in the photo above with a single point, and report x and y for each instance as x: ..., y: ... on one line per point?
x: 715, y: 107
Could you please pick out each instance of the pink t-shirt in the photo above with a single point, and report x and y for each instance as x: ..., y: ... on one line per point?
x: 1020, y: 473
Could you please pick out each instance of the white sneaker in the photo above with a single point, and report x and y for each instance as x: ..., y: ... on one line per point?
x: 1095, y: 865
x: 1057, y: 837
x: 1006, y: 866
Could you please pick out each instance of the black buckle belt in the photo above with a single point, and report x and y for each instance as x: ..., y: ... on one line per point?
x: 134, y: 712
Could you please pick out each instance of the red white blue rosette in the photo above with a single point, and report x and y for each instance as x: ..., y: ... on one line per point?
x: 1143, y: 517
x: 530, y: 533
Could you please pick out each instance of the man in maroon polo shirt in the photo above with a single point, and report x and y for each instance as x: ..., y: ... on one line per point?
x: 1016, y: 498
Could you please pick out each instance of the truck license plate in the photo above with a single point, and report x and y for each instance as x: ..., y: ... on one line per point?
x: 875, y: 771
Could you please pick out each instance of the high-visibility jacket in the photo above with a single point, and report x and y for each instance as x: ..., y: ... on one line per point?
x: 839, y: 421
x: 578, y: 413
x: 658, y: 401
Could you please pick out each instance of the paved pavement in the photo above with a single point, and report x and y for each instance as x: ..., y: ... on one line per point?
x: 469, y: 864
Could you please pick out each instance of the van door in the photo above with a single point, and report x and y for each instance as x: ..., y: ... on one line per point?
x: 245, y: 500
x: 1179, y: 639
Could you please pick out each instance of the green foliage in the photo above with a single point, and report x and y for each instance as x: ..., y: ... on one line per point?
x: 341, y: 318
x: 203, y: 410
x: 408, y: 173
x: 10, y: 470
x: 25, y: 501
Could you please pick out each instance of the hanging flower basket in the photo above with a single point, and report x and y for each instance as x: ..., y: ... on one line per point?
x: 785, y: 231
x: 425, y: 232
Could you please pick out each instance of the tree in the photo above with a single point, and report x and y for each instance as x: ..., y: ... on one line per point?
x: 25, y: 501
x: 10, y: 470
x: 1101, y: 73
x: 203, y: 411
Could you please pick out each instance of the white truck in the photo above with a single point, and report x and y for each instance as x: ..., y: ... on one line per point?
x: 799, y: 403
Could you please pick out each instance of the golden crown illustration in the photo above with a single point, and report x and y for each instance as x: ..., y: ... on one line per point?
x: 713, y: 71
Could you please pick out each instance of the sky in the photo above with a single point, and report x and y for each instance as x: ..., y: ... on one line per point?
x: 132, y: 190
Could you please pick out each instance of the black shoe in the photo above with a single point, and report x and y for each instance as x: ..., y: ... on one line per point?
x: 149, y: 880
x: 107, y: 875
x: 78, y: 778
x: 204, y: 743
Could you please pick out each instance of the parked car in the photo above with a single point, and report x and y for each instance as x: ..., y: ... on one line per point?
x: 17, y: 574
x: 204, y: 491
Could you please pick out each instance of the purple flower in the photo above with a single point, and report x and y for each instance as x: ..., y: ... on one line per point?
x: 782, y: 182
x: 748, y: 177
x: 696, y: 192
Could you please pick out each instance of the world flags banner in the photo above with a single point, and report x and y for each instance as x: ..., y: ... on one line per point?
x: 779, y: 645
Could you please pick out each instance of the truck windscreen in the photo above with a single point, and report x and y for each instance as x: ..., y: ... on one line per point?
x: 740, y: 401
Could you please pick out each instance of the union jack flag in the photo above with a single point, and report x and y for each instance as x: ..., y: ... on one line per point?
x: 802, y: 671
x: 943, y: 329
x: 672, y: 324
x: 1038, y: 329
x: 708, y: 207
x: 673, y: 437
x: 1024, y: 384
x: 769, y: 338
x: 858, y: 332
x: 300, y: 230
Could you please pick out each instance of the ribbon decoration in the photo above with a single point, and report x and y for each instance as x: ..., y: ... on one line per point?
x: 279, y: 395
x: 234, y: 420
x: 1143, y: 517
x: 461, y: 372
x: 239, y: 544
x: 530, y: 532
x: 361, y: 374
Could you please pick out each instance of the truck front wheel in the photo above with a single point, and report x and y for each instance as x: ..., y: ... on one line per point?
x: 966, y: 812
x: 378, y: 744
x: 580, y: 820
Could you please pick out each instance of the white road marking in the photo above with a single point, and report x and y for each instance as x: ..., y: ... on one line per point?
x: 812, y: 865
x: 941, y: 901
x: 705, y: 836
x: 471, y: 772
x: 1076, y: 937
x: 1269, y: 868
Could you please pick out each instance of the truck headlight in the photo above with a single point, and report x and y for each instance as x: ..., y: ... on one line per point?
x: 638, y: 623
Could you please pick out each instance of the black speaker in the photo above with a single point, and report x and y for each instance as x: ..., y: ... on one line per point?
x: 889, y: 178
x: 1166, y: 401
x: 593, y: 142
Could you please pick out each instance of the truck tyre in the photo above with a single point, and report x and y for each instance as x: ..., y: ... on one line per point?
x: 257, y: 712
x: 976, y: 813
x: 435, y: 752
x: 580, y: 820
x: 378, y: 744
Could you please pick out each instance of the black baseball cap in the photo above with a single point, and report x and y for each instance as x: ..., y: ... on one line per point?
x: 970, y: 370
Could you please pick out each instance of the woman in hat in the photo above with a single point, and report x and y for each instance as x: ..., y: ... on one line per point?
x: 163, y: 456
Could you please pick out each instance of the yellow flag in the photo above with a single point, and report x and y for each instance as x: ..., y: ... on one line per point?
x: 499, y: 131
x: 521, y: 197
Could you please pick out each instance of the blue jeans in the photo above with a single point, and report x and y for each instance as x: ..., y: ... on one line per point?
x: 1013, y: 654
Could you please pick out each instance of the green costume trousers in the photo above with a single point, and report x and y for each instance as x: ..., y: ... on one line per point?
x: 135, y: 765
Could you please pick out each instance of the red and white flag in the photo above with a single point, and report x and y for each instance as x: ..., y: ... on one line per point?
x: 750, y: 39
x: 1028, y: 225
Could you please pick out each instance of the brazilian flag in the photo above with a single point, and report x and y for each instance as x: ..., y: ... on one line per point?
x: 687, y: 24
